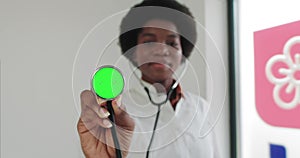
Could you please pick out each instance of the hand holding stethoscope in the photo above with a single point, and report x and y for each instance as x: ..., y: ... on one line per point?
x: 100, y: 114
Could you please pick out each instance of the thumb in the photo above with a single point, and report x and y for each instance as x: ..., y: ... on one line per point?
x: 117, y: 105
x: 121, y: 116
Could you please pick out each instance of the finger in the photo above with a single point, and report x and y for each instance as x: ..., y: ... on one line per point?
x: 89, y: 100
x: 88, y: 137
x: 88, y: 114
x: 100, y: 111
x: 81, y: 128
x: 100, y: 101
x: 91, y: 120
x: 105, y: 123
x: 122, y: 117
x: 117, y: 106
x: 87, y: 97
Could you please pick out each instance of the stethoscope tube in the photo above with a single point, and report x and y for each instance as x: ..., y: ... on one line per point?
x: 174, y: 86
x: 109, y: 98
x: 157, y: 114
x: 111, y: 117
x: 168, y: 93
x: 154, y: 129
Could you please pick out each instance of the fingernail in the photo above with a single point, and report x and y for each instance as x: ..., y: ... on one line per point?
x: 106, y: 113
x: 107, y: 123
x: 99, y: 101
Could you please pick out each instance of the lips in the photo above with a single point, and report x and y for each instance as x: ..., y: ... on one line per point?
x: 158, y: 65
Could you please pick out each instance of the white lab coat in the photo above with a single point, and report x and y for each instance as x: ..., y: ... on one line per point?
x: 177, y: 133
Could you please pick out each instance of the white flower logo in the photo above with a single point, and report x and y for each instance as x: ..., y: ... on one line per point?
x: 289, y: 73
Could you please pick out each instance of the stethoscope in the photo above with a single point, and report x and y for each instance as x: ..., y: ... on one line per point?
x: 107, y: 77
x: 107, y: 83
x: 158, y: 104
x: 168, y: 93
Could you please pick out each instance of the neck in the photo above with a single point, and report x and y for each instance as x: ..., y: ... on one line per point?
x: 161, y: 86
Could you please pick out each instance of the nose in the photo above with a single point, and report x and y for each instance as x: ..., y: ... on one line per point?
x: 161, y: 50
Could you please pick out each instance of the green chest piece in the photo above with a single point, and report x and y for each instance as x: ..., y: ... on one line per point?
x: 107, y: 82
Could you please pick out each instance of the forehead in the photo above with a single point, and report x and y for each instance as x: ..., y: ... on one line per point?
x: 162, y: 25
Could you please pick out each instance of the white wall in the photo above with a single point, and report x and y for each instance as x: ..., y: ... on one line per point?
x: 38, y: 44
x: 217, y: 56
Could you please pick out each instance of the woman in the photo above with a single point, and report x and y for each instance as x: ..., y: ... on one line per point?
x: 156, y: 36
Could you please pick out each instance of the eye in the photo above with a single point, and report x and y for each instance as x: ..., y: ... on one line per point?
x: 173, y: 44
x: 150, y: 42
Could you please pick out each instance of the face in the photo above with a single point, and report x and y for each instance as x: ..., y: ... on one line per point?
x: 158, y: 53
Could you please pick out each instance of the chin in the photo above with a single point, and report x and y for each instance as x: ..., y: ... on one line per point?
x: 159, y: 78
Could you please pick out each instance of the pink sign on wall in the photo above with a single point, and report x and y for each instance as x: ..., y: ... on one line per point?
x: 277, y: 74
